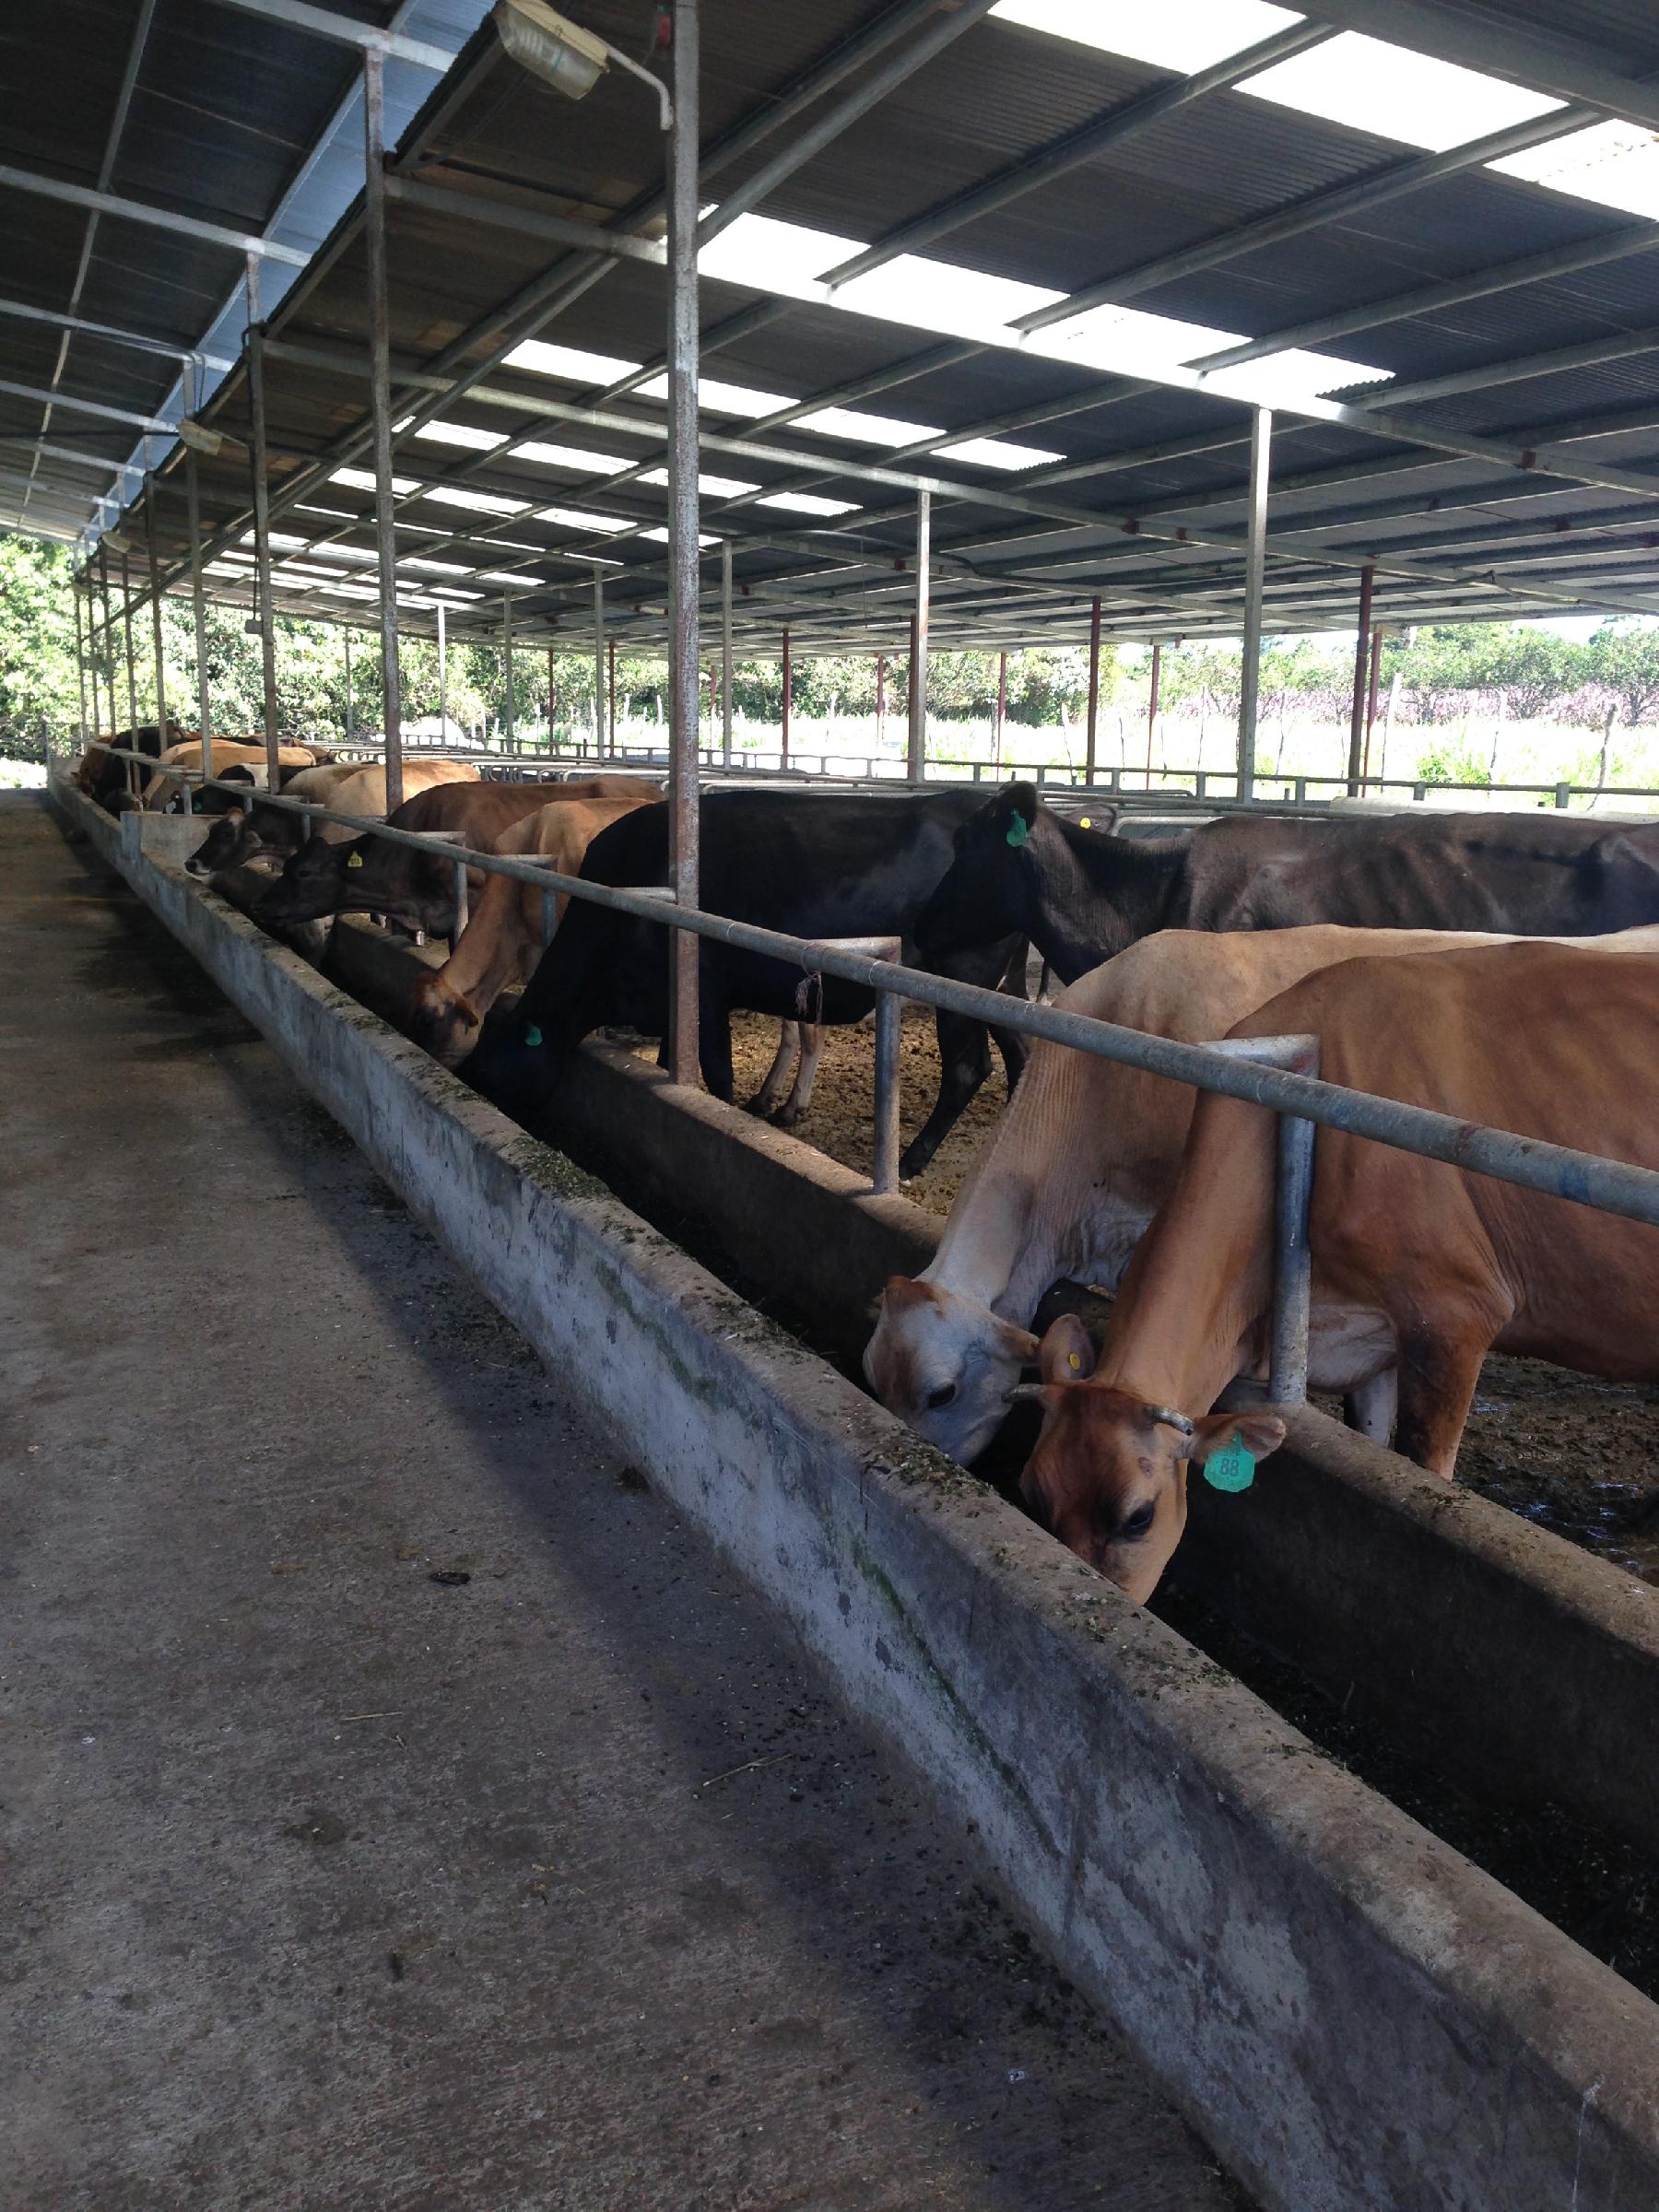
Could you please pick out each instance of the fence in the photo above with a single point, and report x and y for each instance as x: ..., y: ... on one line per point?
x: 1267, y: 1072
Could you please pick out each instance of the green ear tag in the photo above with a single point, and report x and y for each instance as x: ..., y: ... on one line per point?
x: 1018, y: 831
x: 1231, y: 1467
x: 533, y: 1035
x: 355, y: 861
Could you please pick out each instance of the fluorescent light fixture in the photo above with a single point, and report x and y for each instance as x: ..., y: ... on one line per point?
x: 867, y: 430
x: 437, y: 568
x: 363, y: 479
x: 998, y: 453
x: 577, y: 457
x: 523, y: 582
x: 1394, y: 93
x: 475, y: 502
x: 716, y: 488
x: 1181, y: 35
x: 806, y: 502
x: 577, y: 518
x: 572, y: 364
x: 1613, y: 164
x: 460, y: 433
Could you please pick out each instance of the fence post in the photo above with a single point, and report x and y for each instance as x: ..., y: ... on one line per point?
x: 890, y: 1012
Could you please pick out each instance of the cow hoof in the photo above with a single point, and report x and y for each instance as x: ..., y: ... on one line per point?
x: 785, y: 1118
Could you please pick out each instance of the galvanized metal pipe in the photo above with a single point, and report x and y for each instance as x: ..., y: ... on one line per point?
x: 155, y: 585
x: 1255, y: 561
x: 1094, y: 688
x: 507, y: 718
x: 443, y: 677
x: 1292, y: 1258
x: 379, y: 380
x: 683, y: 519
x: 198, y: 603
x: 915, y: 763
x: 80, y: 656
x: 599, y: 720
x: 1152, y: 704
x: 788, y: 695
x: 108, y: 633
x: 262, y: 534
x: 890, y: 1014
x: 726, y: 652
x: 1357, y: 718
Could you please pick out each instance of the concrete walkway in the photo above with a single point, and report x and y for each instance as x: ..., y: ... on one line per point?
x: 402, y: 1809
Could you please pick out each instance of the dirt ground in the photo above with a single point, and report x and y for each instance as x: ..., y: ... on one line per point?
x: 1578, y: 1455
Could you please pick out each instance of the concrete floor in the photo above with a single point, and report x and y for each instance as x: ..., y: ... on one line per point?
x: 400, y: 1807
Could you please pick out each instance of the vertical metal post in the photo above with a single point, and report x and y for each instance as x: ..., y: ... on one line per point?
x: 714, y: 703
x: 599, y: 727
x: 1371, y: 702
x: 880, y: 701
x: 126, y: 617
x: 612, y: 650
x: 788, y: 688
x: 726, y: 652
x: 1152, y: 704
x: 380, y: 392
x: 683, y: 339
x: 109, y: 635
x: 261, y: 527
x: 1255, y: 564
x: 198, y: 604
x: 443, y: 675
x: 1356, y: 716
x: 915, y: 766
x: 80, y: 655
x: 351, y: 701
x: 458, y: 917
x: 1001, y: 712
x: 1094, y: 690
x: 155, y: 585
x: 508, y: 739
x: 890, y: 1012
x: 1292, y: 1277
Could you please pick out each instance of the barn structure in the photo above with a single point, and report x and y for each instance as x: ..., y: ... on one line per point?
x: 502, y: 1717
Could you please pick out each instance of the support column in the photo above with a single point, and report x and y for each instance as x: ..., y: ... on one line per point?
x: 442, y: 670
x: 551, y: 747
x: 1255, y: 564
x: 508, y: 733
x: 1370, y: 701
x: 1152, y: 704
x: 788, y: 686
x: 611, y: 651
x: 80, y: 655
x: 1094, y: 690
x: 109, y: 635
x: 1001, y: 712
x: 683, y: 517
x: 599, y: 715
x: 198, y: 604
x: 726, y: 652
x: 351, y: 701
x: 880, y: 701
x: 261, y: 527
x: 915, y: 765
x: 380, y: 393
x: 1361, y: 646
x: 155, y: 585
x: 126, y: 617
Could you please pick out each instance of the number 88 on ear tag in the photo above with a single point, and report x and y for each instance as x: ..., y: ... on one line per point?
x: 1230, y: 1467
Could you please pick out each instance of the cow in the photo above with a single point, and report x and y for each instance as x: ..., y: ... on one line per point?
x: 229, y: 843
x: 1076, y: 1169
x: 101, y: 774
x: 276, y: 832
x: 368, y: 874
x: 1419, y: 1268
x: 811, y: 865
x: 165, y: 786
x: 1082, y: 894
x: 502, y: 942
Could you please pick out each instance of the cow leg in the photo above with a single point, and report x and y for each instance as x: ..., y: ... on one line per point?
x: 714, y: 1046
x: 1438, y: 1375
x: 1371, y: 1409
x: 964, y: 1062
x: 800, y: 1098
x: 766, y: 1100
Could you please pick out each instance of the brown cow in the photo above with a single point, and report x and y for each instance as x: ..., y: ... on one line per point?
x: 226, y: 753
x: 1419, y: 1268
x: 502, y: 942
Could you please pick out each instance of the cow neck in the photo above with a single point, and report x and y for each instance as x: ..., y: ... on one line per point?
x: 1096, y: 895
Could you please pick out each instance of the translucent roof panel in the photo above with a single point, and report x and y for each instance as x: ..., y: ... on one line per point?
x: 363, y: 479
x: 580, y: 458
x: 1615, y: 164
x: 773, y: 256
x: 1181, y: 35
x: 507, y: 576
x: 998, y: 453
x: 460, y: 433
x: 723, y: 398
x: 867, y: 430
x: 661, y: 538
x: 433, y: 567
x: 937, y: 295
x: 806, y: 502
x: 713, y: 487
x: 475, y: 502
x: 576, y: 518
x: 572, y: 364
x: 1394, y: 93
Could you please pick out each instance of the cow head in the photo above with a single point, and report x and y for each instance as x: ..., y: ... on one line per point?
x: 945, y: 1364
x: 309, y: 886
x: 442, y: 1020
x: 226, y: 845
x: 1108, y: 1475
x: 987, y: 891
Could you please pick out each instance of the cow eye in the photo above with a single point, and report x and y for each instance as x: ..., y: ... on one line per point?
x: 938, y: 1399
x: 1136, y: 1524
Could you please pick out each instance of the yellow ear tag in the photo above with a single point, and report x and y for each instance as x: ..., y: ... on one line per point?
x: 1077, y: 1364
x: 355, y: 861
x: 1085, y: 823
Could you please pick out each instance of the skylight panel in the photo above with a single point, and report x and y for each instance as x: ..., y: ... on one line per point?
x: 1613, y: 164
x: 661, y: 538
x: 304, y: 569
x: 573, y: 364
x: 773, y: 256
x: 1394, y: 93
x: 576, y: 518
x: 1278, y: 380
x: 715, y: 487
x: 460, y: 433
x: 363, y: 479
x: 806, y: 502
x: 867, y: 430
x: 365, y: 554
x: 475, y: 502
x: 998, y: 453
x: 720, y: 398
x: 1183, y: 35
x: 937, y: 295
x: 283, y: 541
x: 352, y: 591
x: 516, y: 577
x: 577, y: 457
x: 435, y: 568
x: 1125, y: 339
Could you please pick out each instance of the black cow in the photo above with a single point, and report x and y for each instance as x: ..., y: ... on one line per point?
x: 811, y: 865
x: 103, y: 774
x: 1082, y: 895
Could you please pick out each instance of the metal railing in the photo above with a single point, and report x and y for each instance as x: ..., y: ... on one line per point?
x: 1267, y: 1072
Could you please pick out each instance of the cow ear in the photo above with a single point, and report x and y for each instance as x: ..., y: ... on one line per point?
x: 904, y: 1292
x: 1065, y: 1353
x: 1254, y: 1433
x: 1102, y: 820
x: 1020, y: 1343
